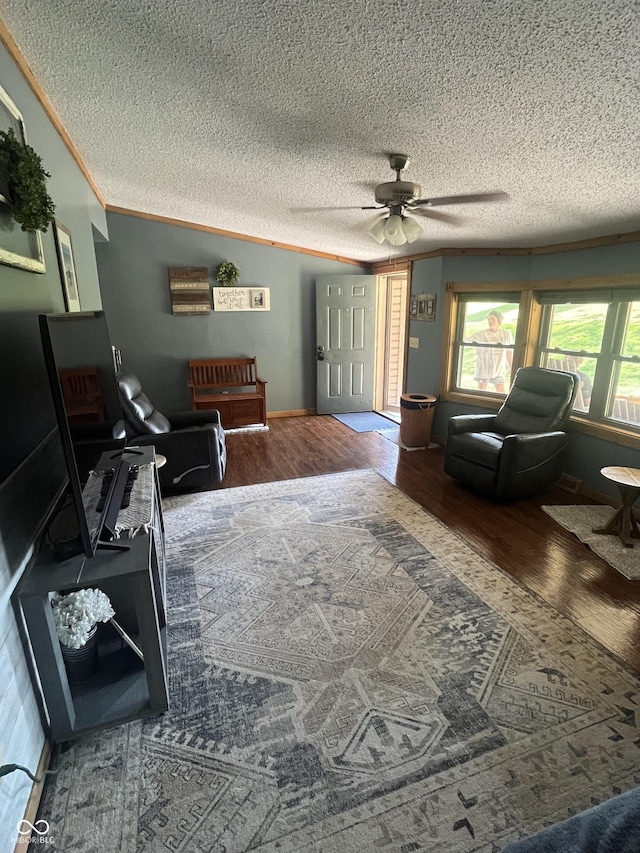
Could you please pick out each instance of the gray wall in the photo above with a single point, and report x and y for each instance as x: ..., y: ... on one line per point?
x: 587, y: 454
x: 156, y: 344
x: 21, y: 736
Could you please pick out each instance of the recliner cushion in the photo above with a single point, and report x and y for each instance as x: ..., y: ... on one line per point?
x: 539, y: 401
x: 138, y: 409
x: 480, y: 448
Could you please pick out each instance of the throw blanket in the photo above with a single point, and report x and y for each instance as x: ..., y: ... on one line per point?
x: 610, y: 827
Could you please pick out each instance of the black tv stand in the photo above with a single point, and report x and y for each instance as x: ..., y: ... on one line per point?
x: 132, y: 574
x: 111, y: 546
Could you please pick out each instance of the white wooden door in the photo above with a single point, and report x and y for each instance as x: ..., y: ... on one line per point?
x: 345, y: 347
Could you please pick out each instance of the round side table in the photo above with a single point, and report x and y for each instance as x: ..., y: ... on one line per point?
x: 622, y: 523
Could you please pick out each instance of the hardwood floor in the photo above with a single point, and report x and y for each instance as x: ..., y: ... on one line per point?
x: 519, y: 537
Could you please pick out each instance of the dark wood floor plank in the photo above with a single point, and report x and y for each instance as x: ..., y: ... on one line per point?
x: 519, y: 537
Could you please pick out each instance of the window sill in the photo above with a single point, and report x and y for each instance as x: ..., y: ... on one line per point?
x: 606, y: 432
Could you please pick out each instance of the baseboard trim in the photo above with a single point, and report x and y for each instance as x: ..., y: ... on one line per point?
x: 292, y: 413
x: 33, y: 803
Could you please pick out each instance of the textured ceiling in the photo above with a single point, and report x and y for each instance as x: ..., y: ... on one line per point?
x: 239, y: 115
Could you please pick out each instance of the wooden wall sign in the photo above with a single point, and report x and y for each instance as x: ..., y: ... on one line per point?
x: 190, y: 290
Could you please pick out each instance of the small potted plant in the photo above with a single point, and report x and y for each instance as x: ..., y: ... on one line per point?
x: 227, y: 274
x: 26, y: 183
x: 76, y: 618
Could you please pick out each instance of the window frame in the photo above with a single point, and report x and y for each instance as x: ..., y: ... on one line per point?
x: 460, y: 343
x: 528, y: 342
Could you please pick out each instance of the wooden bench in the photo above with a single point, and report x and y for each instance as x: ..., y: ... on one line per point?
x: 82, y: 394
x: 232, y: 386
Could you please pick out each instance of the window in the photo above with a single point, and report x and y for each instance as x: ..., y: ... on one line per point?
x: 590, y: 326
x: 596, y: 336
x: 624, y: 399
x: 485, y: 336
x: 572, y: 340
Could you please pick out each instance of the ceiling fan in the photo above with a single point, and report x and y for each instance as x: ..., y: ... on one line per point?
x: 401, y: 197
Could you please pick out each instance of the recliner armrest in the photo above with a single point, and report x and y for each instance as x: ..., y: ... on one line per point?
x: 523, y: 451
x: 184, y: 420
x: 470, y: 423
x: 196, y: 457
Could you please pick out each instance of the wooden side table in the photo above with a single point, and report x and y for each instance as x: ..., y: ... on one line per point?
x: 622, y: 523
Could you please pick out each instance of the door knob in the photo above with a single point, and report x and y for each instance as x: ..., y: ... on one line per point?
x: 320, y: 353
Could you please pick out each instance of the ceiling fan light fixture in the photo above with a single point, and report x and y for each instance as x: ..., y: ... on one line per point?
x: 377, y: 229
x: 393, y: 230
x: 411, y: 229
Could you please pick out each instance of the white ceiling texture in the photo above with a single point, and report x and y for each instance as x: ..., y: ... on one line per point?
x: 243, y: 114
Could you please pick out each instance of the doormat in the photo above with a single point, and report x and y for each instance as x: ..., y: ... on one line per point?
x: 580, y: 520
x: 365, y: 421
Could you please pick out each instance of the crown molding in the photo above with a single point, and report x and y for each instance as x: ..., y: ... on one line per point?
x: 209, y: 229
x: 592, y: 243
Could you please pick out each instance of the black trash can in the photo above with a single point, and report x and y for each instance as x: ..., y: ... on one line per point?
x: 416, y: 417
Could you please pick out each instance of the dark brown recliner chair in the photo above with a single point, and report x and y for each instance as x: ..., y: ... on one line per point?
x: 519, y: 450
x: 192, y: 442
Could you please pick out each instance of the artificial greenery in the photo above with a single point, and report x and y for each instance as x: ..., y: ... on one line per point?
x: 227, y: 274
x: 26, y: 180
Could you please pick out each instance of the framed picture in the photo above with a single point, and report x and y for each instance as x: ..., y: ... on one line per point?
x: 67, y: 268
x: 258, y: 298
x: 425, y: 308
x: 241, y: 299
x: 430, y: 307
x: 17, y: 247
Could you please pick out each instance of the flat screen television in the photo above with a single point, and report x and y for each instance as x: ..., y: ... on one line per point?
x: 32, y: 470
x: 79, y: 361
x: 26, y: 415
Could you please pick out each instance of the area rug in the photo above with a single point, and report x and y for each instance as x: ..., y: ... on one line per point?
x: 393, y: 435
x: 365, y: 421
x: 347, y: 675
x: 580, y: 520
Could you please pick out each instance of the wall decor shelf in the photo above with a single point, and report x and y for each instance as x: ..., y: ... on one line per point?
x: 241, y: 299
x: 124, y: 687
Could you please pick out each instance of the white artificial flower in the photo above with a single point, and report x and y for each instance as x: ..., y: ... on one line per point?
x: 77, y: 613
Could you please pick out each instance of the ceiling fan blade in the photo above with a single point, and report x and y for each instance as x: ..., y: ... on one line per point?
x: 436, y: 214
x: 321, y: 209
x: 463, y: 199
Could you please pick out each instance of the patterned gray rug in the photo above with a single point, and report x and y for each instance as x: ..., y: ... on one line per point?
x: 580, y: 520
x: 349, y: 676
